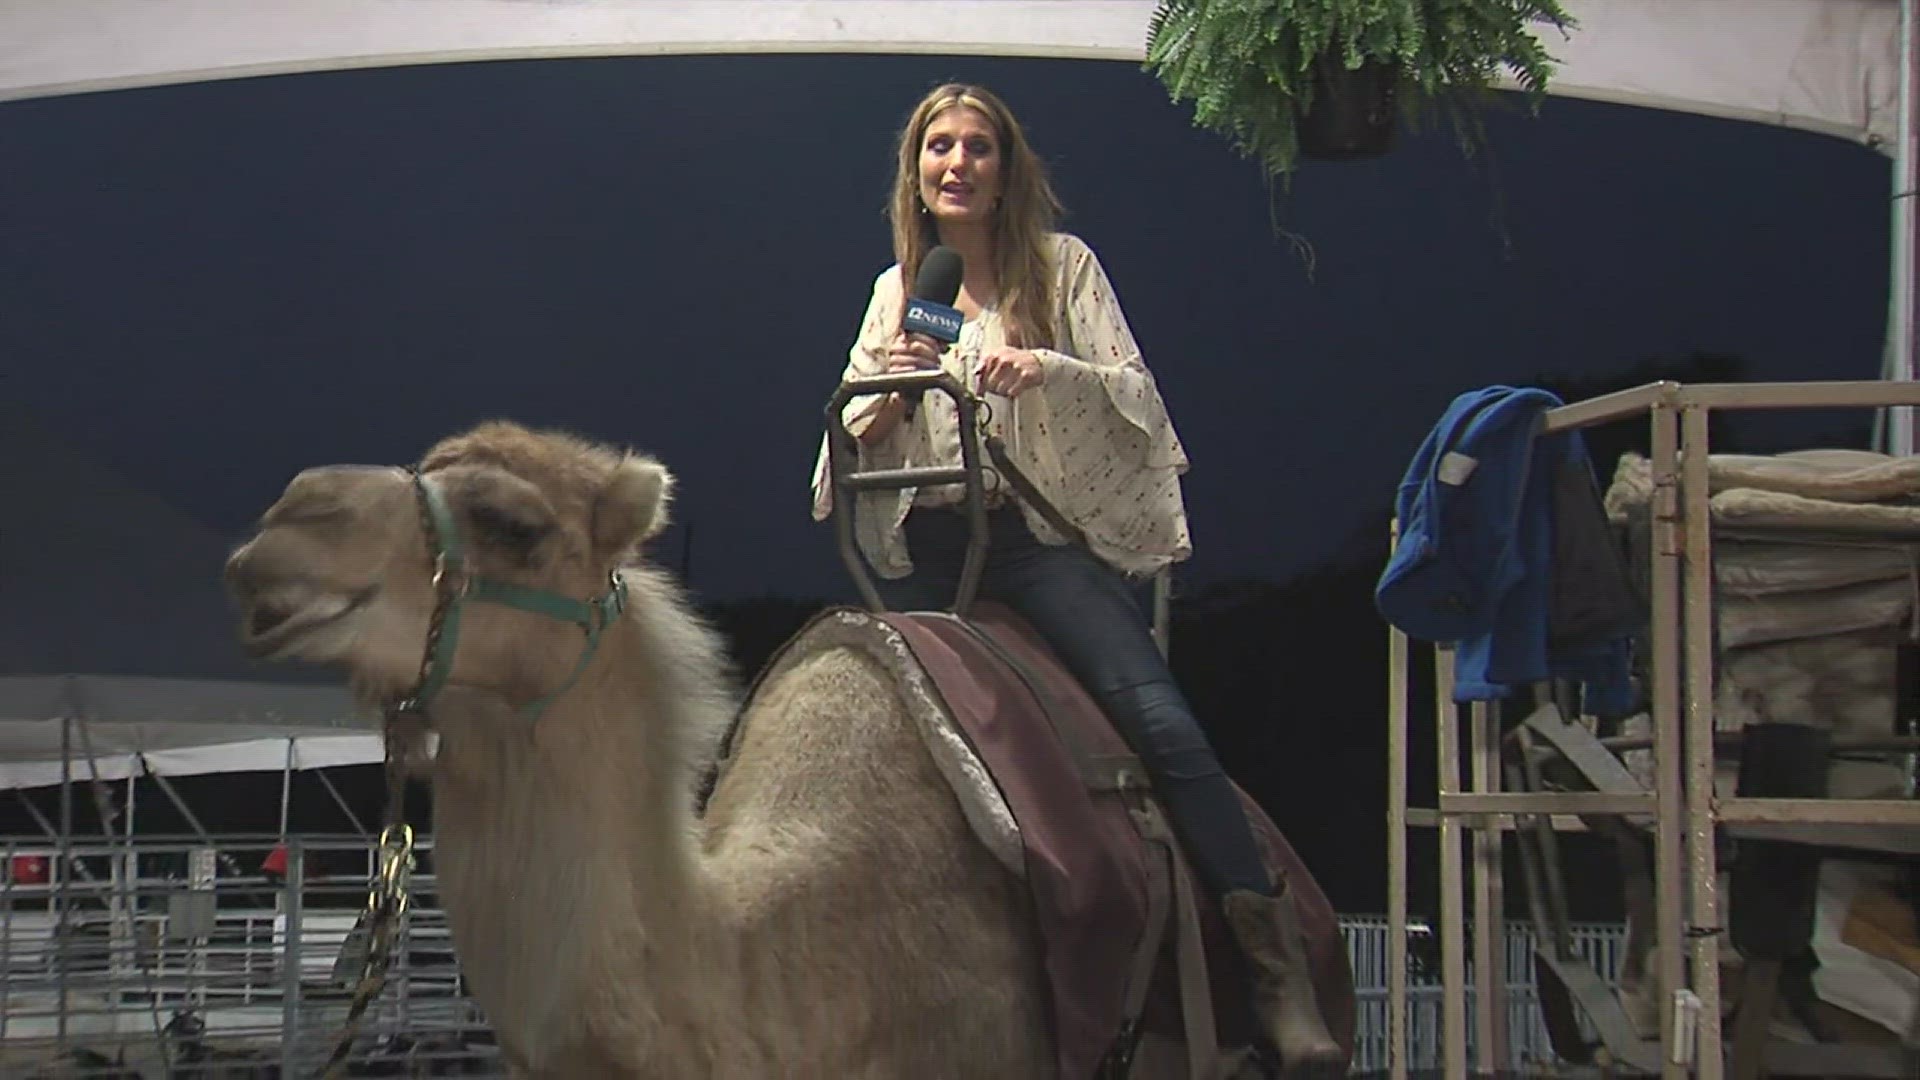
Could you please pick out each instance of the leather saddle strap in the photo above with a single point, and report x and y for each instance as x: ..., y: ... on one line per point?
x: 1023, y: 487
x: 1196, y: 996
x: 1162, y: 867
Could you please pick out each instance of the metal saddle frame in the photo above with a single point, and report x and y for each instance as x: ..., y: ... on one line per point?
x: 975, y: 415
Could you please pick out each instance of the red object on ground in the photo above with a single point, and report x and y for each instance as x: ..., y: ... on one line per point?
x: 29, y: 870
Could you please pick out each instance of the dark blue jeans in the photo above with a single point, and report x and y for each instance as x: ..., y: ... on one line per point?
x: 1085, y: 610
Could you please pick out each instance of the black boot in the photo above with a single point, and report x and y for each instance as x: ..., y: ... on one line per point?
x: 1285, y: 1006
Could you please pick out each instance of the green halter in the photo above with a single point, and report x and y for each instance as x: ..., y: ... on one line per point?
x: 453, y: 586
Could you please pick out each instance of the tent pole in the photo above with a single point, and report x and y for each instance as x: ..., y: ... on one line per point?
x: 1896, y: 424
x: 133, y: 860
x: 130, y: 873
x: 64, y: 923
x: 338, y: 800
x: 186, y: 812
x: 50, y: 830
x: 286, y: 790
x: 199, y: 828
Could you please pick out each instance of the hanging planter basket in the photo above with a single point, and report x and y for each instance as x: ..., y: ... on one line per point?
x: 1353, y: 114
x: 1273, y: 75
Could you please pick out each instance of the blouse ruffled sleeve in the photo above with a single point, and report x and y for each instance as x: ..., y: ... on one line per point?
x: 1098, y: 437
x: 867, y: 356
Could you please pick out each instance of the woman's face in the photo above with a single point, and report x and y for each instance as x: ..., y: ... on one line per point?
x: 960, y: 159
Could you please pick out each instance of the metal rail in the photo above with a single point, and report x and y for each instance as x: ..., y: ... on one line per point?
x: 242, y: 967
x: 843, y: 460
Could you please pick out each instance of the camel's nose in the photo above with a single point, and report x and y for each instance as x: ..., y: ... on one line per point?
x: 240, y: 571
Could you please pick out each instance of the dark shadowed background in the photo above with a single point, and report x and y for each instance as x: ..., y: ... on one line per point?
x: 208, y: 287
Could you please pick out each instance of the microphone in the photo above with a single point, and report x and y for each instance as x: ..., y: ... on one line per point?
x: 930, y: 310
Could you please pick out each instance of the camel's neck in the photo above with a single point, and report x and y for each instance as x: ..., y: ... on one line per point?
x: 594, y: 775
x: 566, y: 848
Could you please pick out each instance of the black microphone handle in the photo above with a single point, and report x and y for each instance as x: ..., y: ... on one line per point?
x: 913, y: 396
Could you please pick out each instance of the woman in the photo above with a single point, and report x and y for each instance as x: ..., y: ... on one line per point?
x: 1045, y: 341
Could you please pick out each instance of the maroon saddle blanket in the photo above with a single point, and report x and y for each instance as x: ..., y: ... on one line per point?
x: 1058, y: 764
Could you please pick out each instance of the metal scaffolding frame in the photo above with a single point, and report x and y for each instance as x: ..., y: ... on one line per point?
x: 1684, y: 807
x: 171, y: 955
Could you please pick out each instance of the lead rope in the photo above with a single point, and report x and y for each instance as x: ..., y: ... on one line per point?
x: 387, y: 901
x: 389, y: 896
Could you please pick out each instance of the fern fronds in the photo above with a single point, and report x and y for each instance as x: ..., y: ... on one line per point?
x: 1248, y: 66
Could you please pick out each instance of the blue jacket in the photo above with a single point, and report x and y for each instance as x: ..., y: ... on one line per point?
x: 1475, y: 563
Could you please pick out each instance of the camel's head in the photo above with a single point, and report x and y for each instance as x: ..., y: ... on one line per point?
x: 343, y: 569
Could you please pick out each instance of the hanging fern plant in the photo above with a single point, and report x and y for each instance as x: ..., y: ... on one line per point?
x: 1285, y: 79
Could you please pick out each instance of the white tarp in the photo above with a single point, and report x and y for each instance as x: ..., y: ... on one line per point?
x: 112, y: 612
x: 1822, y: 65
x: 32, y: 752
x: 178, y: 727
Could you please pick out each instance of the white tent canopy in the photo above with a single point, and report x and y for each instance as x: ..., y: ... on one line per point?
x: 1823, y: 65
x: 114, y: 628
x: 120, y: 727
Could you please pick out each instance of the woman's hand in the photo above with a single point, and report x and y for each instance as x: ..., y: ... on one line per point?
x: 1010, y: 372
x: 904, y: 353
x: 911, y: 353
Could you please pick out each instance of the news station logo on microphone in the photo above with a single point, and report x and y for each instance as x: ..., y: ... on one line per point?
x: 930, y: 309
x: 937, y: 321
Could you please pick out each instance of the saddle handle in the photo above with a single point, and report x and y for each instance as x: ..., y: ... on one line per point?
x: 843, y: 457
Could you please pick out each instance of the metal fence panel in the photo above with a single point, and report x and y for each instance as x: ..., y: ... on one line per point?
x: 197, y: 950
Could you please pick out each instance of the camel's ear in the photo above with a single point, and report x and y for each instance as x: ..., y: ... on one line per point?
x: 633, y: 505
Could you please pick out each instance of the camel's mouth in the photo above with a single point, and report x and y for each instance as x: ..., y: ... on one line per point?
x: 277, y: 622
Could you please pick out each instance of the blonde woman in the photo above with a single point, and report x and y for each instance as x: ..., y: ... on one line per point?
x: 1045, y: 341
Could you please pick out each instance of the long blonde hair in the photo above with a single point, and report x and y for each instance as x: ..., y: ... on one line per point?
x: 1027, y: 212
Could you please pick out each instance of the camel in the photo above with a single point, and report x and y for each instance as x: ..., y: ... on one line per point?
x: 830, y: 914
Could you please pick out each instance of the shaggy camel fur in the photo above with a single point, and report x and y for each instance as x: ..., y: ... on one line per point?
x: 830, y: 916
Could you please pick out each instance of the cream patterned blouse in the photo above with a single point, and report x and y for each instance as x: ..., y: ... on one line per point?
x: 1094, y: 438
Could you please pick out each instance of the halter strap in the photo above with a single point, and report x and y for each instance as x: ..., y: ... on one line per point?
x: 453, y: 586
